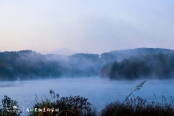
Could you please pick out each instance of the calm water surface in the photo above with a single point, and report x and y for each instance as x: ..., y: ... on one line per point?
x: 99, y: 91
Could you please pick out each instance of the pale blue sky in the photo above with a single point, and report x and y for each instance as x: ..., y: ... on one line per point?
x: 90, y: 26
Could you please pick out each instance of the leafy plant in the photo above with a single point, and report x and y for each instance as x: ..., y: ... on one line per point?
x: 64, y: 106
x: 10, y: 107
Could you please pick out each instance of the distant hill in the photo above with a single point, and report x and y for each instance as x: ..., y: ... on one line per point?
x: 139, y: 63
x: 121, y: 54
x: 27, y: 64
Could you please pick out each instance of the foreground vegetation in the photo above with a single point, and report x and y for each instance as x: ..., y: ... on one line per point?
x: 64, y: 106
x: 138, y: 107
x: 79, y: 106
x: 9, y: 107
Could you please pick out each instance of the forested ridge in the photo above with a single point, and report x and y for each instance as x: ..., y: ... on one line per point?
x: 159, y: 66
x: 120, y: 64
x: 27, y: 64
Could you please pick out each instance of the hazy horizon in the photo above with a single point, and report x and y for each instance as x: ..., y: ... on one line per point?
x: 85, y: 26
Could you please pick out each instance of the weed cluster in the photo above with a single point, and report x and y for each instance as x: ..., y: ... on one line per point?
x: 137, y: 107
x: 10, y: 107
x: 64, y: 106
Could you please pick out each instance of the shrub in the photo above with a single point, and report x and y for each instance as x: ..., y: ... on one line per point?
x: 10, y: 107
x: 137, y: 107
x: 73, y: 106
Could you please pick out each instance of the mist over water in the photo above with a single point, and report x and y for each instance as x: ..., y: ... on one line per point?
x: 99, y: 91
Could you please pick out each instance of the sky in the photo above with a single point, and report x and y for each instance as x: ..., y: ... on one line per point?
x: 88, y: 26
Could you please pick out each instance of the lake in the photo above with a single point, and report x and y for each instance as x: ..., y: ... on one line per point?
x: 99, y: 91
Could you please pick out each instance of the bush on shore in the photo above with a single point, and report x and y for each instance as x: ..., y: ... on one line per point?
x: 9, y: 107
x: 137, y: 107
x: 64, y: 106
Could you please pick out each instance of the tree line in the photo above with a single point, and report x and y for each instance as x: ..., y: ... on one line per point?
x: 159, y: 65
x: 28, y: 64
x: 125, y: 64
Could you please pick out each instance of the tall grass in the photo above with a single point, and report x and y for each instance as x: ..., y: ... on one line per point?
x: 138, y: 87
x: 138, y: 107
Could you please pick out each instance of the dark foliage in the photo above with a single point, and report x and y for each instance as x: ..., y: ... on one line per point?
x: 10, y: 107
x: 137, y: 107
x: 79, y: 106
x: 70, y: 106
x: 31, y: 65
x: 155, y: 66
